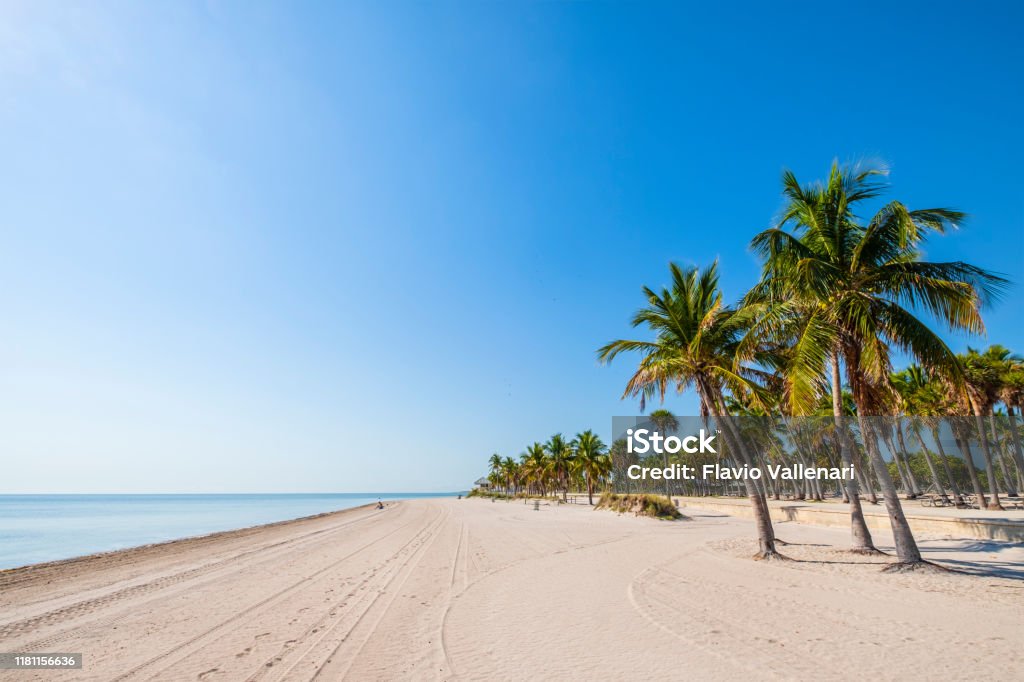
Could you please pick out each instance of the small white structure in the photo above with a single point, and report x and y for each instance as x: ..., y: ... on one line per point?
x: 482, y: 484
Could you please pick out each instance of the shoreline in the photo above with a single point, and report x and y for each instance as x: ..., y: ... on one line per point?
x: 188, y: 539
x: 162, y: 519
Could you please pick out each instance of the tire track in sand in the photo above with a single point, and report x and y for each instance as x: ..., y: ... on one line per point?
x: 324, y: 632
x: 196, y: 642
x: 85, y: 607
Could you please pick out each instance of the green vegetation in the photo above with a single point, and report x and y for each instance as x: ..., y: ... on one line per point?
x: 657, y: 506
x: 555, y: 467
x: 800, y: 369
x: 487, y: 494
x: 835, y: 294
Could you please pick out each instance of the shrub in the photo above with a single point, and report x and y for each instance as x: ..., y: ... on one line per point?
x: 479, y: 492
x: 657, y: 506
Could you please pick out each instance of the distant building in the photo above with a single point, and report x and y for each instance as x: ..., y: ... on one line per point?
x: 482, y: 484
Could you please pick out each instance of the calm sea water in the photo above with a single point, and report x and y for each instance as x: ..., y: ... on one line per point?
x: 37, y: 528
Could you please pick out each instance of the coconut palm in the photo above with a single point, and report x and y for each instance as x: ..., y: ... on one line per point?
x: 1003, y: 370
x: 665, y: 422
x: 534, y: 467
x: 695, y: 344
x: 982, y: 383
x: 1012, y: 395
x: 852, y: 290
x: 591, y: 460
x: 510, y: 473
x: 915, y: 393
x: 621, y: 459
x: 494, y: 462
x: 559, y: 462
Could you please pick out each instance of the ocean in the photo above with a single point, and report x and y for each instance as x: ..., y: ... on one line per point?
x: 37, y: 528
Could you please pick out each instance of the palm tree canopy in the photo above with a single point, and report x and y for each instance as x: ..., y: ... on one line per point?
x: 592, y: 457
x: 831, y: 283
x: 696, y: 337
x: 665, y: 421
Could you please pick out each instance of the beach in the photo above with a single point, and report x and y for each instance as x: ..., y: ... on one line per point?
x: 474, y: 589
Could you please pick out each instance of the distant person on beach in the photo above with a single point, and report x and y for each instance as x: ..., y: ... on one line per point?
x: 380, y: 505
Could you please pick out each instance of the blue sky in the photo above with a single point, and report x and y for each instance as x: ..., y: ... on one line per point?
x: 357, y: 247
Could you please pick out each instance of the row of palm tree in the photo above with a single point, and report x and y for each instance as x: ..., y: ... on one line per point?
x: 916, y: 447
x: 837, y: 297
x: 991, y: 377
x: 556, y: 466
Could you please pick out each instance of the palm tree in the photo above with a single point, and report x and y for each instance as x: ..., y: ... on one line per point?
x: 665, y: 422
x: 591, y: 460
x: 1012, y: 395
x: 1000, y: 367
x: 495, y: 465
x: 559, y: 461
x: 913, y: 387
x: 982, y: 382
x: 695, y: 344
x: 534, y: 467
x: 850, y: 290
x: 621, y: 459
x: 510, y: 471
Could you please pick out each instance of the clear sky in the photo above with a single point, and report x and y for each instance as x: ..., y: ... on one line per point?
x: 358, y: 247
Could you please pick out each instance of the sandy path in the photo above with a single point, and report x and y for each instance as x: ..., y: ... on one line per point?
x: 446, y: 589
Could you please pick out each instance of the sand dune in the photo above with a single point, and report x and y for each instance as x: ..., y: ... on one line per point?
x: 470, y: 589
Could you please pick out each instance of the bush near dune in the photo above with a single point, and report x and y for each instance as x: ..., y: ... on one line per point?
x: 657, y: 506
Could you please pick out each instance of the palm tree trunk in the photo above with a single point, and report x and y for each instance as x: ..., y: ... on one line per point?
x: 906, y: 546
x: 994, y: 504
x: 927, y: 458
x: 734, y: 440
x: 965, y: 451
x: 906, y: 457
x: 668, y: 494
x: 865, y: 475
x: 1011, y: 486
x: 945, y: 463
x: 901, y: 476
x: 1018, y: 456
x: 907, y: 480
x: 860, y: 535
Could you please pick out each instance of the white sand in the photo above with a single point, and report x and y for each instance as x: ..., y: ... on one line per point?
x: 470, y: 589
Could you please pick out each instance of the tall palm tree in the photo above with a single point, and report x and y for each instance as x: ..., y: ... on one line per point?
x: 534, y: 467
x: 621, y: 459
x: 1012, y: 395
x: 510, y: 471
x: 913, y: 387
x: 851, y: 289
x: 560, y: 461
x: 696, y: 338
x: 494, y: 463
x: 999, y: 367
x: 982, y: 382
x: 591, y: 460
x: 665, y: 422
